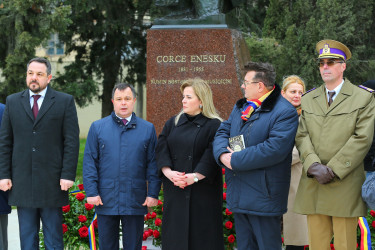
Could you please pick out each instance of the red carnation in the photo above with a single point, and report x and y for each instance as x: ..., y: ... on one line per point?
x: 231, y: 238
x: 225, y: 196
x: 372, y: 212
x: 65, y: 228
x: 156, y: 234
x: 160, y: 202
x: 157, y: 222
x: 225, y: 185
x: 80, y: 186
x: 80, y: 196
x: 229, y: 225
x: 95, y: 222
x: 227, y: 212
x: 82, y: 218
x: 83, y: 232
x: 66, y: 209
x: 153, y: 215
x: 89, y: 206
x: 223, y: 170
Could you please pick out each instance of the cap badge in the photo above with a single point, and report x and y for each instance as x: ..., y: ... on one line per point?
x: 326, y: 49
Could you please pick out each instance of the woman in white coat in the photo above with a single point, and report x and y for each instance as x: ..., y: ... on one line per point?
x: 294, y: 225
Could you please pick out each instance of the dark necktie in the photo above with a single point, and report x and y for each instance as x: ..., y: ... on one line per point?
x: 330, y: 94
x: 35, y: 106
x: 124, y: 121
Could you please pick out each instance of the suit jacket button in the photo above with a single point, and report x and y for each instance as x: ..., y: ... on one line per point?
x: 34, y: 149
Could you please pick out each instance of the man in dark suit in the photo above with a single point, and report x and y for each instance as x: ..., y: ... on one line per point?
x: 4, y: 207
x: 39, y: 143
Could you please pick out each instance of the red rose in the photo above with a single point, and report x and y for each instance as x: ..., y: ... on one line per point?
x: 83, y: 232
x: 156, y: 234
x: 223, y: 171
x: 225, y: 185
x: 144, y: 237
x: 66, y: 209
x: 305, y: 247
x: 89, y: 206
x: 225, y: 196
x: 144, y: 247
x: 82, y: 218
x: 332, y: 247
x: 148, y: 215
x: 153, y: 215
x: 229, y: 225
x: 231, y: 238
x: 150, y: 231
x: 160, y: 202
x: 227, y: 212
x: 65, y: 228
x: 146, y: 234
x: 80, y: 186
x: 373, y: 224
x: 282, y: 239
x: 95, y: 222
x: 157, y: 222
x: 80, y: 196
x: 372, y: 212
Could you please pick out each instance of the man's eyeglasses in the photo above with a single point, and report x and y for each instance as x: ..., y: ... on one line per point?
x: 246, y: 82
x: 329, y: 63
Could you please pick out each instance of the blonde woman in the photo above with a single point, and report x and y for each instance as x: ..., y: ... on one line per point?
x: 192, y: 181
x: 294, y: 225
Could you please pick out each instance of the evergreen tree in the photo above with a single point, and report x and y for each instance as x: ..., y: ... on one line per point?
x: 25, y: 24
x: 108, y: 38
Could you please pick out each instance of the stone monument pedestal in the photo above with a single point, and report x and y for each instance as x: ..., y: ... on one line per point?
x: 176, y: 53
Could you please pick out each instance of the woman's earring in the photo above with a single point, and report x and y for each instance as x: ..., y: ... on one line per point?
x: 200, y: 106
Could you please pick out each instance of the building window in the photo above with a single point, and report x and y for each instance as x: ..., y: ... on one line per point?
x: 55, y: 47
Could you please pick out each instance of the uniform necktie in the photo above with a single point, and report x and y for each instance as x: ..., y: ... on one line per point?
x: 35, y: 106
x: 330, y: 94
x: 124, y: 121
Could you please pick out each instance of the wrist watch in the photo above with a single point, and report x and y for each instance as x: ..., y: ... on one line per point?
x: 195, y: 177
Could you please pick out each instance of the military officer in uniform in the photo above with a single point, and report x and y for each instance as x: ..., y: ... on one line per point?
x: 334, y: 135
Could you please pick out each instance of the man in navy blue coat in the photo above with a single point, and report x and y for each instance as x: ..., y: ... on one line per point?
x: 258, y: 176
x: 120, y: 172
x: 4, y: 207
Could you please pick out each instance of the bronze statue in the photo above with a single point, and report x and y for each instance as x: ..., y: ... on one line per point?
x: 196, y: 9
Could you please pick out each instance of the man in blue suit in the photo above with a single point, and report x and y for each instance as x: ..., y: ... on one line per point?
x: 4, y: 207
x: 39, y: 144
x: 120, y: 172
x: 258, y: 176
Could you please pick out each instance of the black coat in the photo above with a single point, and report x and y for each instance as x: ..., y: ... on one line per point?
x: 192, y: 217
x: 4, y: 207
x: 35, y: 155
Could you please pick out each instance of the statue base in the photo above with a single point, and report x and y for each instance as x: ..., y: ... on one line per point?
x: 216, y: 55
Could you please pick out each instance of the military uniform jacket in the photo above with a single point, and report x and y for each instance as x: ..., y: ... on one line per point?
x: 338, y: 136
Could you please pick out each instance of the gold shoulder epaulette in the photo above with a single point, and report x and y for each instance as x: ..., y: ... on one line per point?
x: 366, y: 88
x: 308, y: 91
